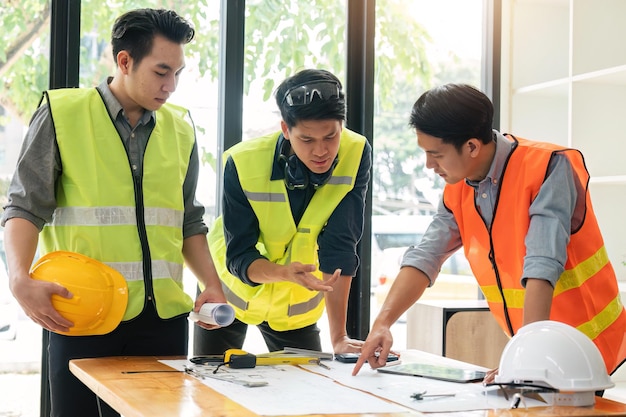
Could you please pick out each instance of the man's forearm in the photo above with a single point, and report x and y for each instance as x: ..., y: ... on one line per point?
x: 20, y: 241
x: 336, y: 308
x: 198, y: 259
x: 262, y: 271
x: 537, y: 300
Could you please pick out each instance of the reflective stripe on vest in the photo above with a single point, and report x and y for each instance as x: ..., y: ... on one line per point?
x: 105, y: 216
x: 586, y: 295
x: 96, y: 211
x: 284, y: 305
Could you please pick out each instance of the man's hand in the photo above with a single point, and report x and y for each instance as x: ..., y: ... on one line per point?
x: 208, y: 296
x: 490, y: 376
x: 375, y: 349
x: 35, y: 298
x: 348, y: 345
x: 302, y: 274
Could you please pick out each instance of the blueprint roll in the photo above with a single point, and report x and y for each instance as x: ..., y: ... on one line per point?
x: 221, y: 314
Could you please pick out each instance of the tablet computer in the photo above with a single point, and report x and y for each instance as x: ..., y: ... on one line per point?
x: 444, y: 373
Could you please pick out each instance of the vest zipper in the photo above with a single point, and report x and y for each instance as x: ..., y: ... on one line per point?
x: 143, y: 239
x: 492, y: 256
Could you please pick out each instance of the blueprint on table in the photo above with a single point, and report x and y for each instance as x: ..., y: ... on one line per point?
x: 312, y: 389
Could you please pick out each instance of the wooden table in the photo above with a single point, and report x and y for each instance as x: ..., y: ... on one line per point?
x: 176, y: 394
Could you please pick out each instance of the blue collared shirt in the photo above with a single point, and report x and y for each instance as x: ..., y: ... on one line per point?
x: 548, y: 233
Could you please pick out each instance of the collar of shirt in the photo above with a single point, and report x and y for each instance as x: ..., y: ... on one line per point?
x: 116, y: 111
x: 503, y: 149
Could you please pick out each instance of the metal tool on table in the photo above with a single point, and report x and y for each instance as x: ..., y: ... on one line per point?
x: 305, y: 352
x: 237, y: 359
x: 423, y: 395
x: 245, y: 380
x: 240, y: 359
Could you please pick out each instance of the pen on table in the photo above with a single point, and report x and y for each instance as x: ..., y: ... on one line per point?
x: 421, y: 395
x: 517, y: 399
x: 150, y: 371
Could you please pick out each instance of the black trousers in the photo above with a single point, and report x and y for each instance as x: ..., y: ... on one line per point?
x: 216, y: 342
x: 147, y: 334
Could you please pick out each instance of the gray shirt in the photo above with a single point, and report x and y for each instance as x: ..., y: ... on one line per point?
x: 32, y: 190
x: 548, y: 234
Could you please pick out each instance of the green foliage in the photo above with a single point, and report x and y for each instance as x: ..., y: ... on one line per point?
x: 281, y: 37
x: 23, y: 69
x: 25, y: 44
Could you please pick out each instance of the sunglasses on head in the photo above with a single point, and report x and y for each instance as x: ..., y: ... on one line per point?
x: 304, y: 94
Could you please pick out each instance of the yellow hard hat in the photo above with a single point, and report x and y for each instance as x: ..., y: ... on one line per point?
x: 100, y: 292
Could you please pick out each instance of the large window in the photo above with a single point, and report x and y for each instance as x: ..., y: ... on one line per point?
x: 196, y: 90
x: 24, y: 71
x: 283, y: 37
x: 24, y: 63
x: 418, y: 44
x: 445, y: 39
x: 197, y: 87
x: 442, y: 43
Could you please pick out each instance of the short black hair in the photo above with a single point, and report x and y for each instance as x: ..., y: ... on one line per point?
x: 134, y: 31
x: 454, y: 113
x: 318, y: 109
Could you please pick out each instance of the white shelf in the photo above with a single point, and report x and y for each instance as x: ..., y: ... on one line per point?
x: 597, y: 25
x: 615, y: 179
x: 612, y: 75
x: 541, y: 113
x: 548, y: 87
x: 598, y: 111
x: 564, y: 72
x: 541, y: 42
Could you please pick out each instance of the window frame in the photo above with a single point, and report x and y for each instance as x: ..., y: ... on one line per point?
x: 64, y: 72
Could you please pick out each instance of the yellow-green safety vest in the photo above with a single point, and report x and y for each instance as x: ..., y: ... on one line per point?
x: 97, y: 208
x: 284, y: 305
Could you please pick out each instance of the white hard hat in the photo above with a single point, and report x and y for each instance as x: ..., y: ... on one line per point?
x: 554, y: 355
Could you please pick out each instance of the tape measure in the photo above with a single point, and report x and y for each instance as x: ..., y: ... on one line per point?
x: 240, y: 359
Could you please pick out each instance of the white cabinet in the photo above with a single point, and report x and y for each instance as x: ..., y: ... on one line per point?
x: 564, y: 81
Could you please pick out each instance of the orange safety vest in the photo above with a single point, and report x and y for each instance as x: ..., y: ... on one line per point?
x: 586, y: 295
